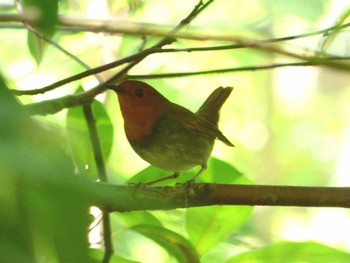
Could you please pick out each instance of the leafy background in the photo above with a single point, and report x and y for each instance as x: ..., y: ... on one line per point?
x: 289, y: 125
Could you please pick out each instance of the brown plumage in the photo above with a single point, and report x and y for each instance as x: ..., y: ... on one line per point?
x: 168, y: 135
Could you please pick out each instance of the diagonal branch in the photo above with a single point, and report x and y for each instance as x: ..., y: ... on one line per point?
x: 55, y: 105
x: 168, y: 50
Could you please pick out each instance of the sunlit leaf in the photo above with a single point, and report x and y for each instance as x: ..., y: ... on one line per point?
x: 79, y: 138
x: 38, y: 192
x: 310, y: 10
x: 36, y: 46
x: 218, y: 172
x: 176, y: 245
x: 47, y: 13
x: 97, y: 256
x: 329, y: 38
x: 292, y: 252
x: 148, y: 174
x: 206, y: 226
x: 129, y: 45
x: 139, y: 218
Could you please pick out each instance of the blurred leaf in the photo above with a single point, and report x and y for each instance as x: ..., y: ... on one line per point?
x: 330, y: 36
x: 310, y: 10
x: 38, y: 193
x: 97, y: 255
x: 36, y: 46
x: 206, y: 226
x: 79, y: 139
x: 104, y: 127
x: 139, y: 218
x: 218, y: 172
x: 129, y: 45
x: 148, y: 174
x: 134, y: 5
x: 222, y: 172
x: 292, y: 252
x: 176, y: 245
x: 47, y: 12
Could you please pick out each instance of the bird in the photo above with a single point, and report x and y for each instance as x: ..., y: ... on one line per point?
x: 165, y: 134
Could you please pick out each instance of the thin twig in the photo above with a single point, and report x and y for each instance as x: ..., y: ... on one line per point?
x: 87, y: 73
x: 101, y: 169
x: 166, y: 40
x: 96, y: 146
x: 223, y: 71
x: 168, y: 50
x: 217, y: 71
x: 55, y: 105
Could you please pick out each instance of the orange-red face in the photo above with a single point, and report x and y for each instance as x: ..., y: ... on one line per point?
x: 141, y: 106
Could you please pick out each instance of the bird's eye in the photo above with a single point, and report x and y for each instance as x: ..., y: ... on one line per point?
x: 139, y: 92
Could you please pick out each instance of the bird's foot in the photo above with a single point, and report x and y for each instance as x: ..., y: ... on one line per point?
x: 189, y: 191
x: 134, y: 187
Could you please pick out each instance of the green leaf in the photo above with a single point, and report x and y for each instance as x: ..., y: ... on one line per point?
x: 148, y: 174
x: 38, y: 192
x: 176, y: 245
x: 36, y: 46
x: 97, y: 256
x: 47, y: 12
x: 292, y: 252
x: 310, y: 10
x: 139, y: 218
x: 206, y: 226
x: 129, y: 45
x: 218, y: 172
x: 79, y: 139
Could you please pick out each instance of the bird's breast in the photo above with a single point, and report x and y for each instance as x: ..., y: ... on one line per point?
x: 170, y: 146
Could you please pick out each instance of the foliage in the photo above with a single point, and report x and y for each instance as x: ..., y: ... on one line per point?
x: 46, y: 161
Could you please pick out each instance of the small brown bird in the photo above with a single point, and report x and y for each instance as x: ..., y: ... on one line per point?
x: 168, y: 135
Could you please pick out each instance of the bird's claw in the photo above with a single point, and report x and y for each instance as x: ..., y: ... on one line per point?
x: 189, y: 190
x: 134, y: 187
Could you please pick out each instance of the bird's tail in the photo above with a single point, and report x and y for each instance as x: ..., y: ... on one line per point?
x: 211, y: 107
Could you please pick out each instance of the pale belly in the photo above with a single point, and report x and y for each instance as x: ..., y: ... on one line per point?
x: 175, y: 149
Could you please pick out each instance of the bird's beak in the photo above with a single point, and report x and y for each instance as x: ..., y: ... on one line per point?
x: 114, y: 87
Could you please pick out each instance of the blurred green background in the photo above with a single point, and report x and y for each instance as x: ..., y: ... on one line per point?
x: 290, y: 125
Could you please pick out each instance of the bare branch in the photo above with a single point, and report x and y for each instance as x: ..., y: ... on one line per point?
x: 55, y: 105
x: 225, y: 70
x: 218, y: 71
x: 141, y: 197
x: 136, y: 28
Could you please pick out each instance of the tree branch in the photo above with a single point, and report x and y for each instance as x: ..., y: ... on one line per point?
x: 123, y: 198
x: 135, y: 28
x: 219, y: 71
x: 55, y: 105
x: 226, y: 70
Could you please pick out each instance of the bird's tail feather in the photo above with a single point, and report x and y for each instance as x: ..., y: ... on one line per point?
x: 211, y: 107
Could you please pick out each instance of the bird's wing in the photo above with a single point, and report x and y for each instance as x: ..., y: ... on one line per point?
x: 196, y: 123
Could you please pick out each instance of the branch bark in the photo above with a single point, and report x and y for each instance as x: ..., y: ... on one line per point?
x: 123, y: 198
